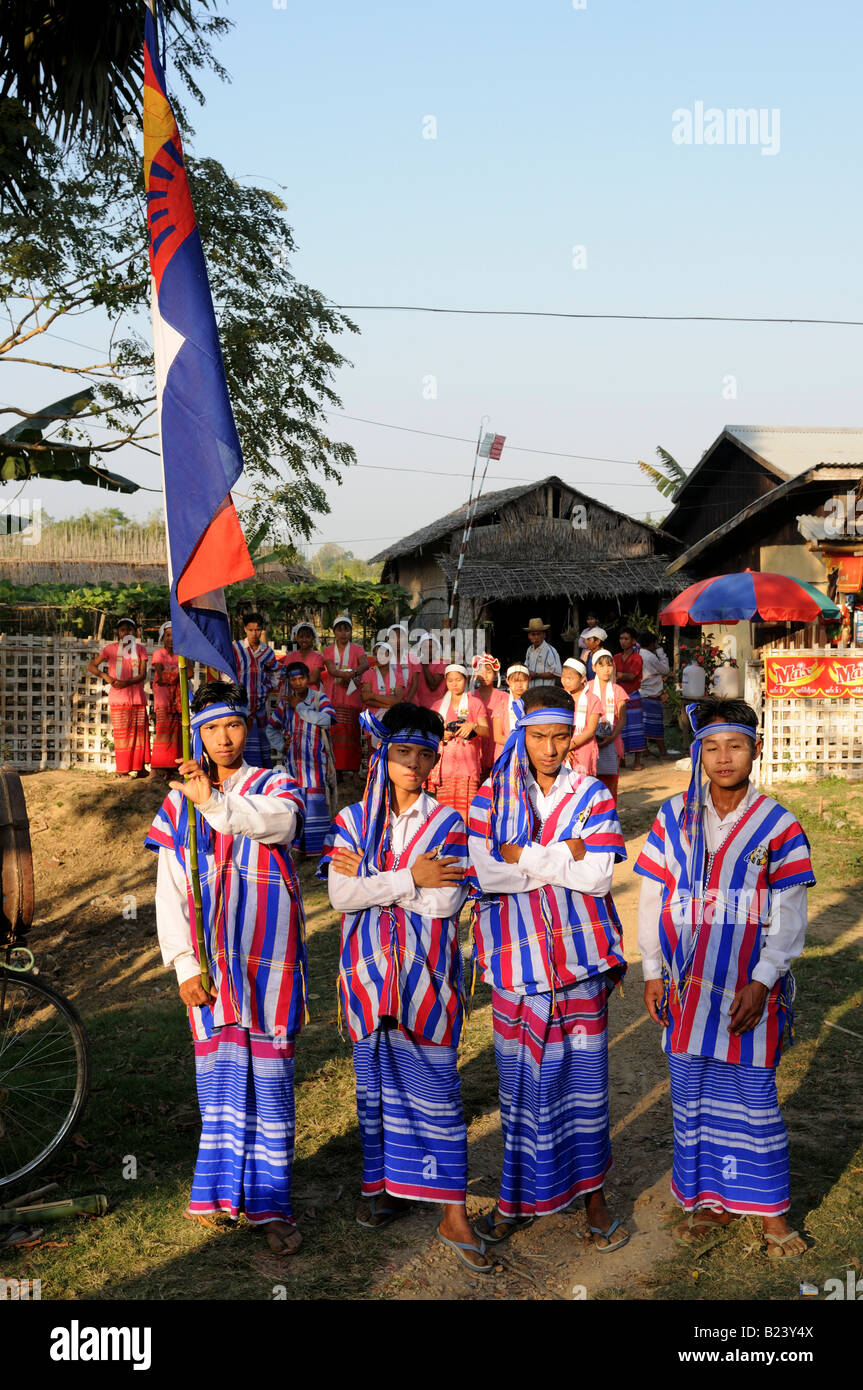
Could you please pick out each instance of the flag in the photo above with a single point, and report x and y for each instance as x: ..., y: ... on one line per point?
x: 201, y: 455
x: 491, y: 446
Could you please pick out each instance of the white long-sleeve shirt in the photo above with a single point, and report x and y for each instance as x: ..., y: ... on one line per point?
x: 269, y: 819
x: 654, y: 665
x: 396, y: 886
x: 543, y: 864
x: 788, y: 913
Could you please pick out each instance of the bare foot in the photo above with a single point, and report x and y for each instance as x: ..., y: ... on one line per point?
x: 282, y: 1237
x: 776, y: 1231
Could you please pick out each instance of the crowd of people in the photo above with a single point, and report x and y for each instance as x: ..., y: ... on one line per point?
x: 495, y: 803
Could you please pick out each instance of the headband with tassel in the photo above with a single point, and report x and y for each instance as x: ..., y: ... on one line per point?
x: 693, y: 821
x: 512, y: 814
x: 374, y: 833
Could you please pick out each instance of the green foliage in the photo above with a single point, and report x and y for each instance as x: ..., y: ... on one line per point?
x: 669, y: 478
x: 367, y: 602
x: 73, y: 72
x: 332, y: 562
x: 79, y: 242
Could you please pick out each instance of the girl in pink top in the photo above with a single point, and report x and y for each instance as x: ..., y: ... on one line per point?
x: 167, y: 734
x: 430, y: 686
x: 304, y: 639
x: 486, y: 674
x: 127, y: 670
x: 509, y: 709
x: 457, y: 776
x: 382, y: 684
x: 582, y: 749
x: 612, y: 703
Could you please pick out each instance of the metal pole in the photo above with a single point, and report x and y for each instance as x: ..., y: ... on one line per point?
x: 471, y: 508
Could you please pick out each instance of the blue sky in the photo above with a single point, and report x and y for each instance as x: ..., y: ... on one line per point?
x: 554, y: 130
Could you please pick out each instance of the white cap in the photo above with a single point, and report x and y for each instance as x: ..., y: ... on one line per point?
x: 576, y: 665
x: 599, y: 632
x: 601, y: 651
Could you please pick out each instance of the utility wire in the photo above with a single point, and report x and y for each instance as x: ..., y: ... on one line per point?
x: 557, y: 314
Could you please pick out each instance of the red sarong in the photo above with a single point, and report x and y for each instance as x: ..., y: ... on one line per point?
x: 131, y: 729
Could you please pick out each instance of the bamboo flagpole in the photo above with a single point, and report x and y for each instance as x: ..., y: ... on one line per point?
x: 199, y: 444
x: 197, y: 924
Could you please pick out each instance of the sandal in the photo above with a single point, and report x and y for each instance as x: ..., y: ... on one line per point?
x: 278, y: 1241
x: 781, y: 1242
x: 387, y: 1214
x: 609, y: 1244
x: 515, y: 1223
x: 702, y: 1223
x: 461, y: 1245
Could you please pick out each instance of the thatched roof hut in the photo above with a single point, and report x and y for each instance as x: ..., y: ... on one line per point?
x: 541, y: 549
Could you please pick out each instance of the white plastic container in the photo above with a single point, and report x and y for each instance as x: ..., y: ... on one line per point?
x: 693, y: 682
x: 726, y: 681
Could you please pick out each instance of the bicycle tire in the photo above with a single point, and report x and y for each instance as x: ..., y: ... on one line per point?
x: 70, y: 1017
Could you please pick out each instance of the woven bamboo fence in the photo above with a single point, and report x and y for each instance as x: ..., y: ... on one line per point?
x: 806, y: 737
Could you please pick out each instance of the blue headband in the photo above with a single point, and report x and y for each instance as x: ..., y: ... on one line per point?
x: 512, y: 814
x: 206, y: 716
x: 374, y: 833
x: 693, y: 821
x: 196, y: 723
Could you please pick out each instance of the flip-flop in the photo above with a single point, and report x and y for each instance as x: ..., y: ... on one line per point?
x: 781, y: 1241
x: 515, y: 1223
x: 610, y: 1244
x: 390, y: 1214
x: 693, y: 1223
x: 460, y: 1245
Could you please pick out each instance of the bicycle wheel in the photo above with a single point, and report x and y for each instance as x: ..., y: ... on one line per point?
x: 44, y: 1074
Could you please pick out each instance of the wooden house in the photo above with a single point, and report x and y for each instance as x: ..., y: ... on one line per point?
x: 538, y: 550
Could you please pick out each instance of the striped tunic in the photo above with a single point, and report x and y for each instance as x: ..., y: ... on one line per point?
x: 711, y: 933
x: 394, y: 963
x: 306, y: 745
x: 534, y: 942
x: 252, y: 913
x: 258, y: 672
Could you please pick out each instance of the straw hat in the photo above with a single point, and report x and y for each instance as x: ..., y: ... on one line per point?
x: 536, y: 625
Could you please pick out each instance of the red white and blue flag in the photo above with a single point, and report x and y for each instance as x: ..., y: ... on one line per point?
x: 201, y: 455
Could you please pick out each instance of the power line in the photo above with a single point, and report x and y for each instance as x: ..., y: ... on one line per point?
x: 557, y: 314
x: 463, y: 439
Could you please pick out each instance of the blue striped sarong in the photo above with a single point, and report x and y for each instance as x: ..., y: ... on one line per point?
x: 652, y: 710
x: 411, y: 1123
x: 553, y: 1070
x: 257, y: 750
x: 633, y: 729
x: 246, y: 1094
x: 317, y: 824
x: 730, y: 1142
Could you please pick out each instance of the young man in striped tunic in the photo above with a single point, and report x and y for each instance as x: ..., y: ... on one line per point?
x: 258, y: 672
x: 298, y: 733
x: 543, y: 840
x: 245, y: 1025
x: 722, y: 914
x: 396, y: 874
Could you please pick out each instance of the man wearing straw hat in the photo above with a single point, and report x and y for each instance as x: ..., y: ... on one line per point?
x: 541, y: 659
x: 245, y: 1025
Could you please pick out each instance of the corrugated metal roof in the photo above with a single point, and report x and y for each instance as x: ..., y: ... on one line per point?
x: 794, y: 448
